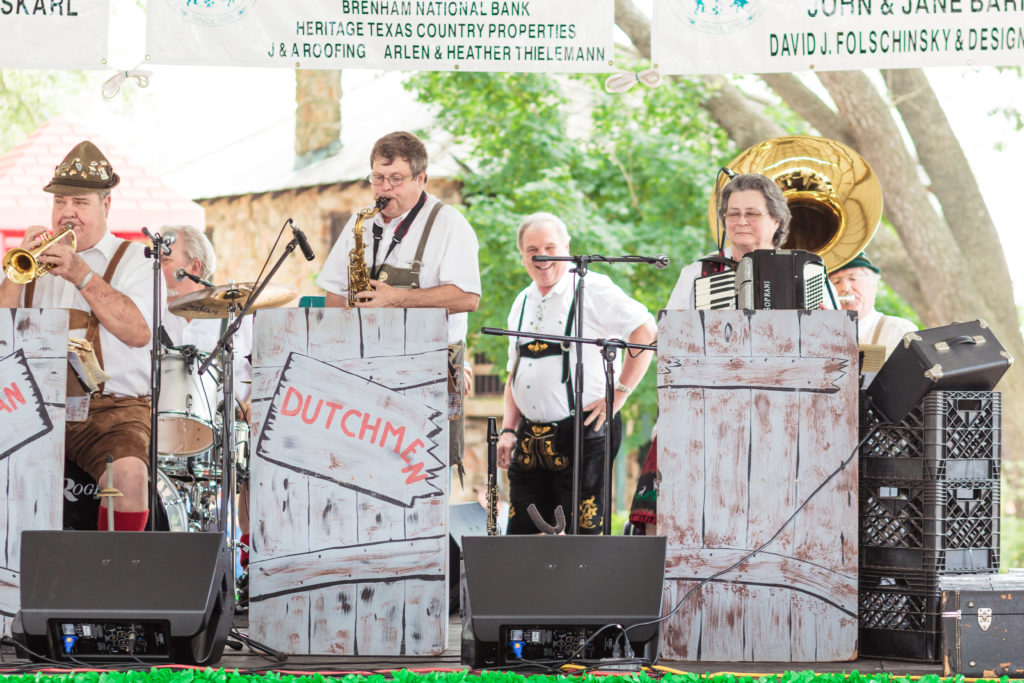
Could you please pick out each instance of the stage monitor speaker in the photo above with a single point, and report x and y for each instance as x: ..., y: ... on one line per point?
x: 534, y: 600
x: 101, y: 596
x: 464, y: 519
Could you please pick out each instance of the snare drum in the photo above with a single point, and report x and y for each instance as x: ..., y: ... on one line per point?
x: 207, y: 465
x: 188, y: 404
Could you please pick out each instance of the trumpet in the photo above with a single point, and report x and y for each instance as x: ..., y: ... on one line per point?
x: 22, y: 265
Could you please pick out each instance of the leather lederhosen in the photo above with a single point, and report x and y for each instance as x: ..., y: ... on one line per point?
x: 538, y: 442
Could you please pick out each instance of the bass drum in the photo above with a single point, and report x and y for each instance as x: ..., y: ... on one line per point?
x: 82, y: 507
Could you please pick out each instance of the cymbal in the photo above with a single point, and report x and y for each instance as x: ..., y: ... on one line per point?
x: 216, y: 302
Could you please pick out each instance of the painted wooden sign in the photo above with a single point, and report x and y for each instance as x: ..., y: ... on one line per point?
x: 758, y: 493
x: 33, y: 363
x: 350, y: 482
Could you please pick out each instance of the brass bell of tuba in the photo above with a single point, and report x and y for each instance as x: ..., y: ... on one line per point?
x: 834, y: 196
x: 22, y: 265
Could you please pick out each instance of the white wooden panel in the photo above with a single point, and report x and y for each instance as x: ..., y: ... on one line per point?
x: 332, y: 567
x: 272, y: 621
x: 333, y: 620
x: 31, y: 476
x: 330, y: 509
x: 380, y: 619
x: 737, y: 461
x: 424, y: 601
x: 681, y: 459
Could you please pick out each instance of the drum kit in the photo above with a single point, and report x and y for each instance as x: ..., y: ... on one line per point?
x: 191, y: 425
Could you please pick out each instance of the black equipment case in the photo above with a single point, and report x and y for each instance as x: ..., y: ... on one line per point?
x: 983, y: 625
x: 957, y: 357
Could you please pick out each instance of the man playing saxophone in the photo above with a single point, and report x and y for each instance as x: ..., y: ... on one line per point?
x: 421, y: 254
x: 106, y: 283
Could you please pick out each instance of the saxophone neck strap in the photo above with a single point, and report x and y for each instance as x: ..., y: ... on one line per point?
x: 400, y: 232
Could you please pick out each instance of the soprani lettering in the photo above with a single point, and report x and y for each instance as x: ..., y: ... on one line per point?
x: 60, y: 8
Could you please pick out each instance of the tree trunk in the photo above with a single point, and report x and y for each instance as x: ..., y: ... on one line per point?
x: 948, y: 266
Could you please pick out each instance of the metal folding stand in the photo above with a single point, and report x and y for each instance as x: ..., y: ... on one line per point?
x: 608, y: 347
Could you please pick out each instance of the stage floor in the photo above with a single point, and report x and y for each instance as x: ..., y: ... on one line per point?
x: 245, y: 660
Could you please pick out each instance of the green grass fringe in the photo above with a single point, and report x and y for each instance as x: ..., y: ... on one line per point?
x: 174, y: 675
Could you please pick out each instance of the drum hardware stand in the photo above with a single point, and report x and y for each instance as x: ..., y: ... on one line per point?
x: 581, y: 265
x: 110, y: 492
x: 225, y: 345
x: 161, y: 246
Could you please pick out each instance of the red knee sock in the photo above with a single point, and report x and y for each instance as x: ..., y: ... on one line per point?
x: 243, y: 553
x: 123, y: 520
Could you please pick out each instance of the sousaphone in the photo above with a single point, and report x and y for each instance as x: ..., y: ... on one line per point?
x: 834, y: 196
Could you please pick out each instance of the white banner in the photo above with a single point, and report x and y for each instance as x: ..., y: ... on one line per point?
x: 764, y: 36
x: 433, y: 35
x: 53, y: 34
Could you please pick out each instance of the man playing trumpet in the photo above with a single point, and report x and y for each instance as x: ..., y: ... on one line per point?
x: 106, y: 283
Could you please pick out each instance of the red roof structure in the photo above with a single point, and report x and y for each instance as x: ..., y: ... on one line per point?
x: 140, y: 200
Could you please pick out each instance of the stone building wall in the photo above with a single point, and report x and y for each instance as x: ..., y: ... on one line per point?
x: 243, y: 228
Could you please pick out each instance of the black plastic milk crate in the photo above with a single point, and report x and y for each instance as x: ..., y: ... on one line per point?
x: 900, y: 614
x: 948, y: 435
x: 938, y: 526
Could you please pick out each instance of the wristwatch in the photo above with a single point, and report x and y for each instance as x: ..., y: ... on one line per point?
x: 619, y: 386
x: 507, y: 430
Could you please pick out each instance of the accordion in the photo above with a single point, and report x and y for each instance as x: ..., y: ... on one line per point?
x: 765, y: 279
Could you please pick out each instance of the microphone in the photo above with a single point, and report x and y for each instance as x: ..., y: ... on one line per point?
x: 300, y: 237
x: 728, y: 171
x: 165, y: 242
x: 660, y: 261
x: 180, y: 274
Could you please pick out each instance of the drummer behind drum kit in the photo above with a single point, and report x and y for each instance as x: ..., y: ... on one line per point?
x: 190, y: 426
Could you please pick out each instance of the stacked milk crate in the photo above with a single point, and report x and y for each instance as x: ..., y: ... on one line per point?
x: 929, y: 505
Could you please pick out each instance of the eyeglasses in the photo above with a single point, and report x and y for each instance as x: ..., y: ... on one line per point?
x: 393, y: 180
x: 751, y: 216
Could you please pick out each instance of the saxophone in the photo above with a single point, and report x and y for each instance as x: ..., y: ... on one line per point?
x: 358, y: 273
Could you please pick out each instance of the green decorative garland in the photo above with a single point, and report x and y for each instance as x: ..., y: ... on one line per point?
x: 658, y: 675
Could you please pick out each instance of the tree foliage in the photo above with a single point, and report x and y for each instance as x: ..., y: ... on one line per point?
x: 629, y: 174
x: 28, y: 98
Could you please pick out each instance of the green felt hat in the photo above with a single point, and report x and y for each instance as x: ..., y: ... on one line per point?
x: 859, y: 261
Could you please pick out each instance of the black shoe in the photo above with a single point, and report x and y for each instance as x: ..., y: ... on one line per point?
x: 242, y: 594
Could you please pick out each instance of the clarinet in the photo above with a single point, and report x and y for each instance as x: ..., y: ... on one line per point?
x: 492, y: 476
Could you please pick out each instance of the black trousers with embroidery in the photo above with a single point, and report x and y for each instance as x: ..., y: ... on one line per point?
x: 532, y: 482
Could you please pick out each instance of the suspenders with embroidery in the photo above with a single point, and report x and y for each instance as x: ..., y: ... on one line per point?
x: 542, y: 349
x: 79, y: 319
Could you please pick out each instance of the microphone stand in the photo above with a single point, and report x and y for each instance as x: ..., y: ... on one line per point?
x: 226, y: 346
x: 608, y: 352
x: 582, y: 263
x: 160, y: 248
